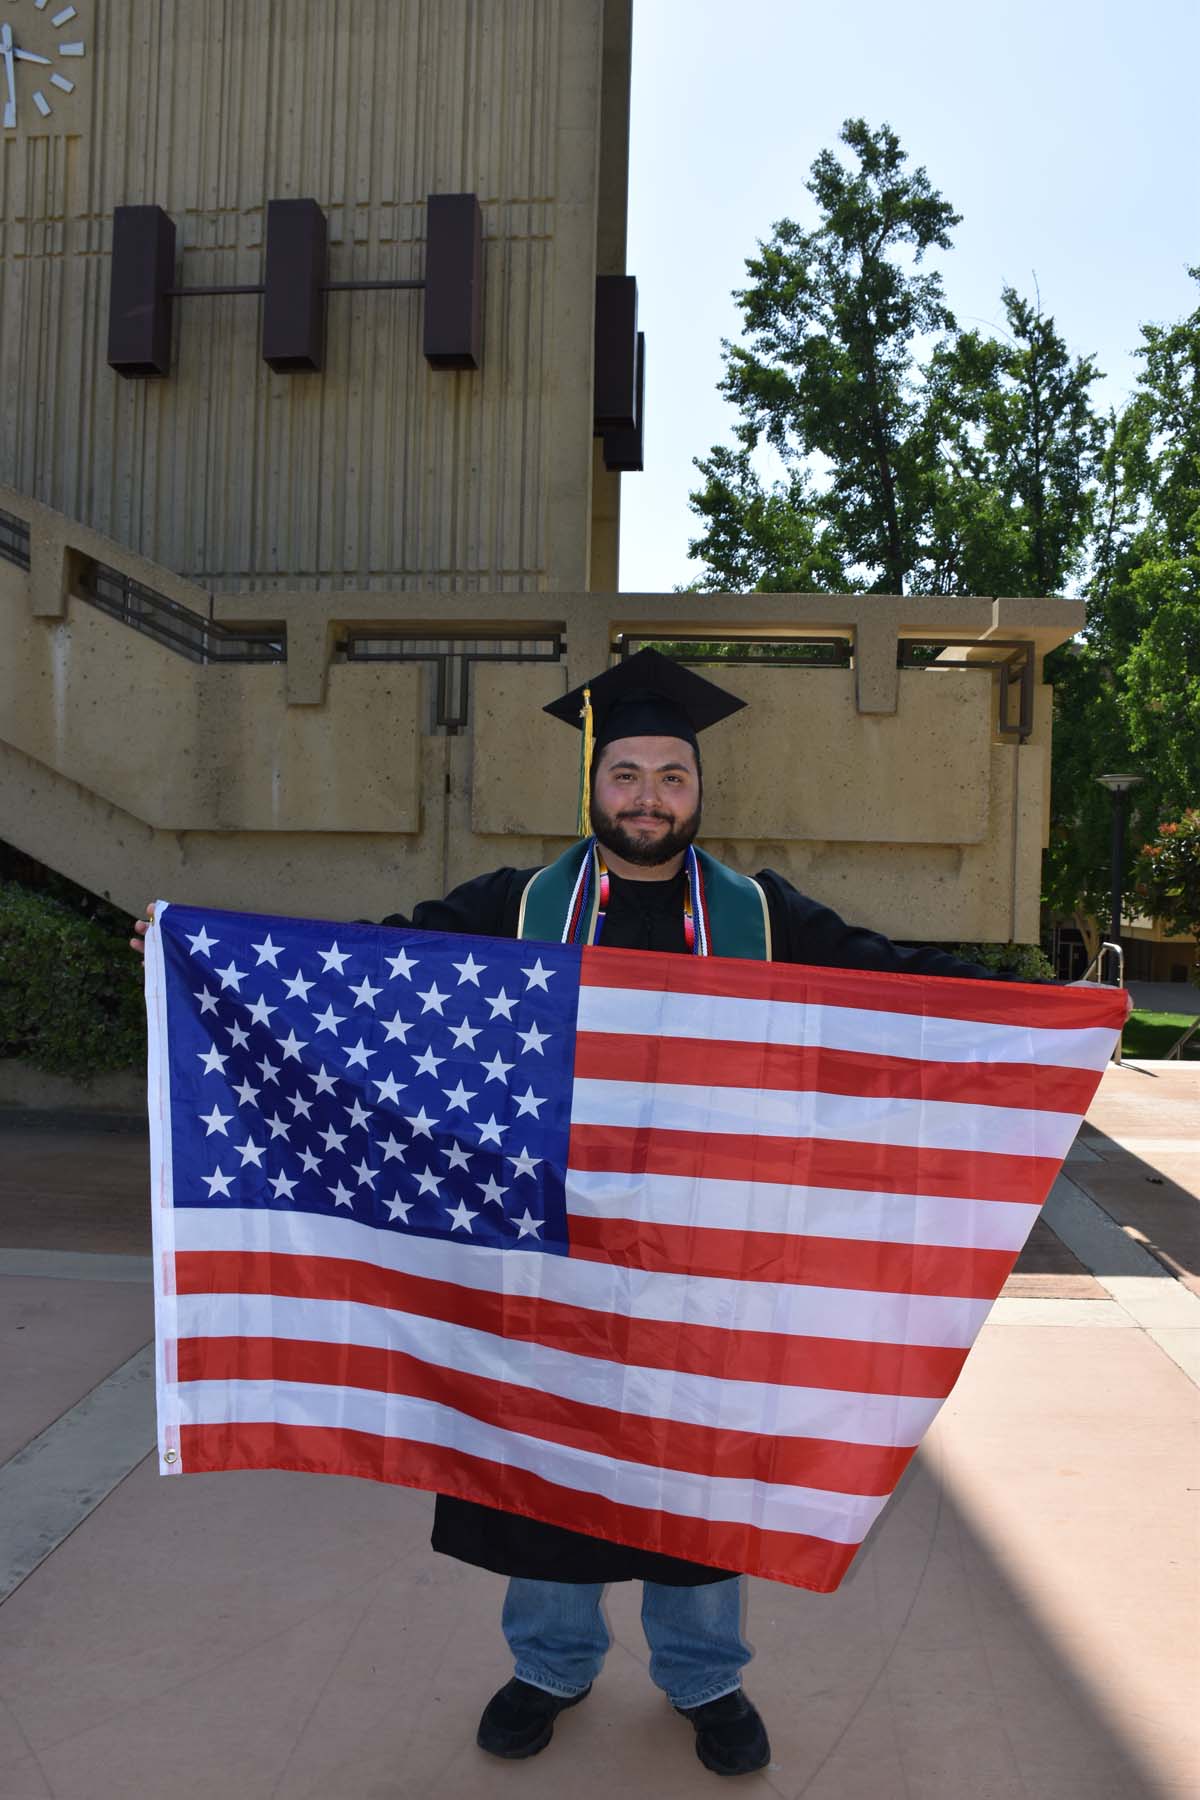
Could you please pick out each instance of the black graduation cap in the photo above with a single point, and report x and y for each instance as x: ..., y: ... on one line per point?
x: 646, y: 695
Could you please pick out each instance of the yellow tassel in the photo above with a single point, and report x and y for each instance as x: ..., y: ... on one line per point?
x: 585, y: 766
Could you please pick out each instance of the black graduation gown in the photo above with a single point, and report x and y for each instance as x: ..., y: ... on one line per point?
x: 642, y: 915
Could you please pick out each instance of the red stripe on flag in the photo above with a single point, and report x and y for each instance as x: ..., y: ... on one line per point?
x: 813, y: 1162
x: 697, y: 1062
x: 871, y: 991
x: 808, y: 1562
x: 862, y: 1263
x: 662, y: 1443
x: 922, y: 1371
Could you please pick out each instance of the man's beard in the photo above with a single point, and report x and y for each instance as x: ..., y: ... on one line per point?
x: 644, y: 852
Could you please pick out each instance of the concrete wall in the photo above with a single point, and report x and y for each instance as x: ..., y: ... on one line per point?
x: 314, y: 785
x: 377, y: 472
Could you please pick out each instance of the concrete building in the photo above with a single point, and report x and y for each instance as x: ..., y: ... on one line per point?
x: 287, y: 574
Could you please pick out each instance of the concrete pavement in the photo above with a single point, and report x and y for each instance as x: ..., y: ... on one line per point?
x: 1022, y: 1625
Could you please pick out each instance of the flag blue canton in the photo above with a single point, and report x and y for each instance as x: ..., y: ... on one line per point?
x: 418, y: 1082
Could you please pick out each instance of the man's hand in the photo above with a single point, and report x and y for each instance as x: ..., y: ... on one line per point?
x: 141, y: 927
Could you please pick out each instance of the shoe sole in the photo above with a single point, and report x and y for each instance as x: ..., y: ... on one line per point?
x: 539, y: 1743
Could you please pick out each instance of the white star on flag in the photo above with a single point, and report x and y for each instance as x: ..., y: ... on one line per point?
x: 497, y: 1069
x: 245, y: 1093
x: 465, y: 1034
x: 214, y: 1062
x: 458, y: 1096
x: 325, y: 1083
x: 291, y: 1045
x: 333, y: 1139
x: 250, y: 1152
x: 391, y: 1147
x: 238, y: 1038
x: 357, y: 1056
x: 358, y: 1114
x: 469, y: 970
x: 282, y: 1184
x: 433, y: 997
x: 364, y: 993
x: 403, y: 964
x: 278, y: 1128
x: 398, y: 1209
x: 428, y: 1063
x: 201, y: 943
x: 422, y: 1124
x: 491, y: 1190
x: 208, y: 1003
x: 528, y: 1102
x: 311, y: 1162
x: 267, y: 1069
x: 500, y: 1004
x: 267, y: 951
x: 396, y: 1028
x: 333, y: 958
x: 260, y: 1012
x: 428, y: 1183
x: 217, y: 1183
x: 491, y: 1133
x: 342, y: 1196
x: 329, y: 1020
x: 533, y: 1039
x: 389, y: 1089
x: 538, y: 976
x: 460, y: 1218
x: 300, y: 1105
x: 297, y: 988
x: 366, y: 1175
x: 232, y: 976
x: 524, y: 1164
x: 457, y: 1157
x: 215, y: 1121
x: 527, y: 1225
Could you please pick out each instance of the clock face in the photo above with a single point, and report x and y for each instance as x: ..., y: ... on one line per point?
x: 40, y: 44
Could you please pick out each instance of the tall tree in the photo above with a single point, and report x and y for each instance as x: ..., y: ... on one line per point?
x: 831, y: 319
x: 1129, y: 694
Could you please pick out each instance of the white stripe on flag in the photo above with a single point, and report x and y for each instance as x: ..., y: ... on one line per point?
x: 924, y: 1038
x: 714, y: 1402
x: 802, y: 1211
x: 848, y: 1118
x: 948, y: 1322
x: 841, y: 1518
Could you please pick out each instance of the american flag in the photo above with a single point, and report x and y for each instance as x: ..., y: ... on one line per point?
x: 683, y: 1252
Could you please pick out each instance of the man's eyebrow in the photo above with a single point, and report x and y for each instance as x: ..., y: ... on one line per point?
x: 629, y: 762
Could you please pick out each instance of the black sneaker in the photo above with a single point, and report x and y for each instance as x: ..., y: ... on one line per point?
x: 731, y: 1739
x: 519, y: 1720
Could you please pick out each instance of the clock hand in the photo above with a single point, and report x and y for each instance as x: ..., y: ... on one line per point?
x: 29, y: 56
x: 10, y: 105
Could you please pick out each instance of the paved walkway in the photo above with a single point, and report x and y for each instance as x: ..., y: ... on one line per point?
x: 1021, y: 1627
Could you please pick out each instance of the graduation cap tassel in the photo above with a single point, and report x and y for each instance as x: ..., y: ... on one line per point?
x: 585, y: 765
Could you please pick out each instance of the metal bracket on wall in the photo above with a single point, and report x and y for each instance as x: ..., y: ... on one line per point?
x: 294, y: 285
x: 619, y: 401
x: 452, y: 659
x: 1018, y: 667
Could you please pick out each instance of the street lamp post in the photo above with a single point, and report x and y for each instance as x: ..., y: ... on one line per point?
x: 1118, y: 786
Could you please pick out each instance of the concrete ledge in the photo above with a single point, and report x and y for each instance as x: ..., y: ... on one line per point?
x: 112, y: 1102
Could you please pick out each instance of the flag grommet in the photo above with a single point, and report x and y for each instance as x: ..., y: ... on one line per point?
x: 170, y: 1455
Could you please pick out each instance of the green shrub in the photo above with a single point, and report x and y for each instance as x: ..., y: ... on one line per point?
x: 70, y: 989
x: 1025, y: 960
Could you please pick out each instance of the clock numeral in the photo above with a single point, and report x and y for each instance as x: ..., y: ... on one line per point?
x: 41, y: 102
x: 60, y: 18
x: 71, y: 49
x: 60, y: 81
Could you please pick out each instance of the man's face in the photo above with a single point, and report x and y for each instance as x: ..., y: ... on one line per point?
x: 646, y: 799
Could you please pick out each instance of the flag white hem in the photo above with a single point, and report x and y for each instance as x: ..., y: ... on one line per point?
x: 162, y: 1203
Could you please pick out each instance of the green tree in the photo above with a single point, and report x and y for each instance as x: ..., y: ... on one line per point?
x: 1167, y: 876
x: 1128, y: 696
x: 832, y: 316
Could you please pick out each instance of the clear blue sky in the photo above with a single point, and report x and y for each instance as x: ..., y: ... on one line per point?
x: 1063, y: 132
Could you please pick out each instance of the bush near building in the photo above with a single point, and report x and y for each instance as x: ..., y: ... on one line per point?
x: 70, y: 994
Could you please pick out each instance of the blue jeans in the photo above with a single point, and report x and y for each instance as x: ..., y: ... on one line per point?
x: 559, y: 1639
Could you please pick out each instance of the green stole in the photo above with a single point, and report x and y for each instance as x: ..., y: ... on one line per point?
x: 739, y: 923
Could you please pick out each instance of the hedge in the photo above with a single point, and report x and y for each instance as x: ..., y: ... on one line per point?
x: 70, y: 987
x: 1024, y: 960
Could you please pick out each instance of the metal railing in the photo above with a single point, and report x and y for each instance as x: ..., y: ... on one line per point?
x: 1097, y: 965
x: 14, y: 539
x: 200, y: 638
x: 448, y: 695
x: 1175, y: 1053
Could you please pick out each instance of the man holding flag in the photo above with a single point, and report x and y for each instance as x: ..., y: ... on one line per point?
x: 674, y: 1194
